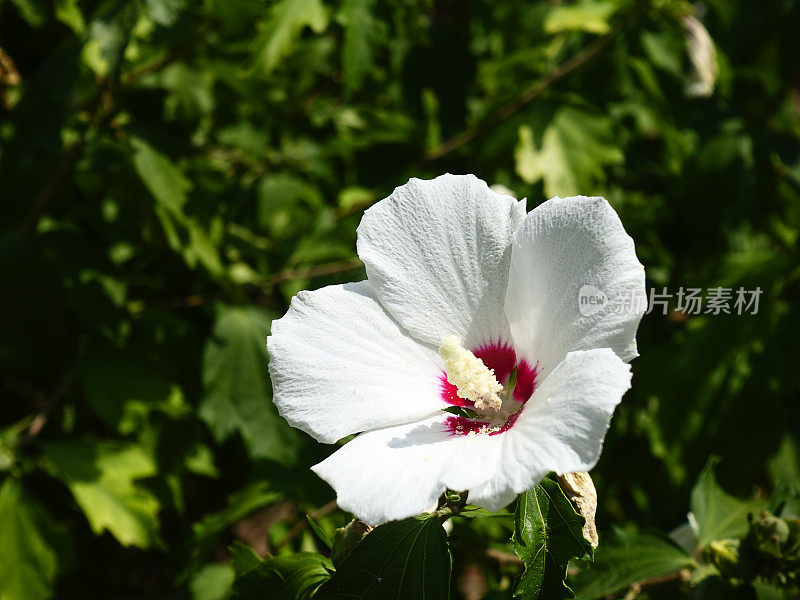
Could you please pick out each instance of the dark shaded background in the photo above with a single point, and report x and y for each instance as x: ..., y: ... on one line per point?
x: 172, y: 172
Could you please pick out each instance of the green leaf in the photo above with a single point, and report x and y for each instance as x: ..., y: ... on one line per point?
x: 718, y: 514
x: 765, y: 591
x: 473, y: 512
x: 33, y: 11
x: 283, y: 201
x: 286, y: 21
x: 108, y: 36
x: 664, y: 50
x: 570, y: 155
x: 244, y: 559
x: 238, y: 505
x: 191, y: 92
x: 591, y: 17
x: 161, y: 177
x: 201, y: 248
x: 631, y: 557
x: 403, y: 560
x: 208, y: 533
x: 164, y: 12
x: 784, y: 472
x: 69, y: 13
x: 353, y: 197
x: 361, y: 31
x: 212, y: 582
x: 237, y: 391
x: 201, y: 461
x: 168, y: 185
x: 28, y: 563
x: 547, y: 535
x: 293, y: 577
x: 102, y: 478
x: 461, y: 412
x: 319, y: 531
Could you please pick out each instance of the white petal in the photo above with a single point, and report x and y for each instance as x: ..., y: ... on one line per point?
x: 399, y: 472
x: 340, y: 365
x: 437, y: 254
x: 562, y: 426
x: 564, y: 245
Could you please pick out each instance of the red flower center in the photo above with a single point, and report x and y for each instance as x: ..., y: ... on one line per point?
x: 502, y: 358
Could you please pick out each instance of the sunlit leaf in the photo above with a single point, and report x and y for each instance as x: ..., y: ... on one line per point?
x: 169, y: 186
x: 287, y: 19
x: 191, y: 92
x: 108, y: 37
x: 237, y: 397
x: 33, y: 11
x: 103, y: 478
x: 362, y: 30
x: 664, y: 51
x: 159, y: 174
x: 201, y: 248
x: 164, y: 12
x: 592, y: 17
x: 718, y: 514
x: 548, y: 534
x: 69, y: 13
x: 569, y: 154
x: 319, y: 531
x: 28, y: 562
x: 212, y: 582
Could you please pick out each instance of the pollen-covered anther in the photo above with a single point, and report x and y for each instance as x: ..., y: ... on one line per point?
x: 473, y: 379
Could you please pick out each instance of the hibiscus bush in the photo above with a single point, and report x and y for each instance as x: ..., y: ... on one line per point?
x: 175, y: 172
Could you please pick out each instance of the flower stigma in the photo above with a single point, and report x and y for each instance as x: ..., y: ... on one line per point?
x: 472, y: 378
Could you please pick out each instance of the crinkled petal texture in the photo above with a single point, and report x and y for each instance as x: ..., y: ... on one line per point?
x: 341, y: 365
x: 437, y: 255
x: 400, y: 471
x: 561, y: 428
x: 565, y: 244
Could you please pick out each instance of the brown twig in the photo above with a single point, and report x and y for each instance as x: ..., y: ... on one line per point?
x: 502, y: 557
x: 528, y: 94
x: 39, y: 420
x: 676, y: 577
x: 317, y: 271
x: 9, y: 74
x: 136, y: 307
x: 300, y: 526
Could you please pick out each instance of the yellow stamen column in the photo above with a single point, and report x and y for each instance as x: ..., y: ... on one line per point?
x: 473, y: 379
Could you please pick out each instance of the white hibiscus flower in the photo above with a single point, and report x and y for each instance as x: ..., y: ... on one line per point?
x: 468, y: 302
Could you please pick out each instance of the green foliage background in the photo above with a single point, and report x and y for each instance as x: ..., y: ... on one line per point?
x: 173, y: 171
